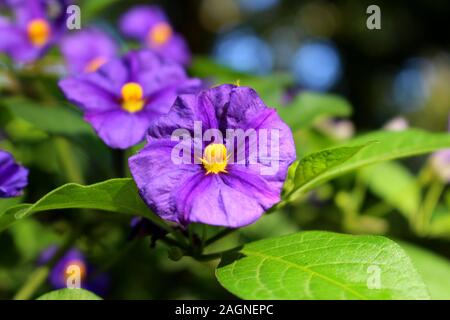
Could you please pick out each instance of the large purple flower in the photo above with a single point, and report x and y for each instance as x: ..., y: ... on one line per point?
x: 150, y: 25
x: 87, y: 50
x: 228, y: 180
x: 13, y: 177
x: 124, y: 96
x: 89, y: 277
x: 37, y: 24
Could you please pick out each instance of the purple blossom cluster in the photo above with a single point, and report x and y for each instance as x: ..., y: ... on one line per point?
x: 126, y: 96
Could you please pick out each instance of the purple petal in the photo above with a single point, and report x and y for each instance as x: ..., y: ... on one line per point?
x: 83, y: 47
x: 157, y: 177
x: 13, y: 177
x: 119, y: 128
x: 137, y: 22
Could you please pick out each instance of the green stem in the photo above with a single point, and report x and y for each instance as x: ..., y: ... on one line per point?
x: 36, y: 279
x: 429, y: 204
x: 68, y: 161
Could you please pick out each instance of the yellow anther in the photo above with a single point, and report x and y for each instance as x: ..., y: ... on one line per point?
x: 160, y: 34
x: 38, y: 31
x: 132, y: 97
x: 215, y: 158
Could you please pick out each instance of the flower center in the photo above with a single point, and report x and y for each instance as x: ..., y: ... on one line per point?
x: 160, y: 33
x: 215, y: 158
x: 132, y: 97
x: 94, y: 64
x: 78, y: 263
x: 38, y: 31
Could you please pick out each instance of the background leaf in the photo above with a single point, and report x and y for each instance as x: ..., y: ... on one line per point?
x: 434, y: 269
x: 69, y: 294
x: 307, y: 107
x: 115, y: 195
x: 320, y: 265
x: 391, y: 145
x: 395, y: 185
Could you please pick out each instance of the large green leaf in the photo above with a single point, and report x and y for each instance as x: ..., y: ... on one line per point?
x: 69, y: 294
x: 115, y: 195
x: 390, y: 145
x: 434, y: 269
x: 402, y: 191
x: 307, y: 107
x: 321, y: 265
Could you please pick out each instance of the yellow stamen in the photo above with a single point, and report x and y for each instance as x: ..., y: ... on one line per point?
x: 215, y: 158
x: 94, y: 64
x: 132, y: 97
x: 38, y: 31
x: 80, y: 264
x: 160, y: 34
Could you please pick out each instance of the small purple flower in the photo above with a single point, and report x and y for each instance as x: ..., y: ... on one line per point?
x: 397, y: 124
x: 150, y: 25
x: 125, y: 95
x: 216, y: 189
x: 90, y: 279
x: 13, y: 177
x: 87, y: 50
x: 37, y: 24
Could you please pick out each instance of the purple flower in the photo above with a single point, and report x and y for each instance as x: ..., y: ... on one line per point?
x: 224, y: 183
x: 87, y: 50
x: 150, y: 25
x: 90, y: 279
x: 37, y: 24
x: 13, y: 177
x: 124, y: 96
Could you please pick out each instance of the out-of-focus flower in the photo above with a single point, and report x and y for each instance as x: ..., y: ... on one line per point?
x: 397, y: 124
x: 339, y: 129
x: 13, y: 177
x: 440, y: 161
x: 125, y: 95
x: 150, y: 25
x: 211, y: 186
x: 90, y: 279
x: 37, y: 24
x: 87, y: 50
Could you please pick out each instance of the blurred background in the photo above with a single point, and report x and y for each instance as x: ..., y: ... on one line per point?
x: 403, y: 69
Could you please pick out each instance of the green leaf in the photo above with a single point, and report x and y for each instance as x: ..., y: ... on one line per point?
x: 434, y: 269
x: 115, y: 195
x: 390, y: 145
x: 321, y: 265
x: 307, y: 107
x: 402, y: 191
x: 69, y: 294
x: 55, y: 120
x: 317, y: 163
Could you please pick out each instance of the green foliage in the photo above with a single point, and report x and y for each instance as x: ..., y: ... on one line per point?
x: 395, y: 185
x: 115, y: 195
x: 389, y: 145
x: 321, y: 265
x: 307, y: 107
x: 52, y: 120
x: 69, y: 294
x: 434, y: 269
